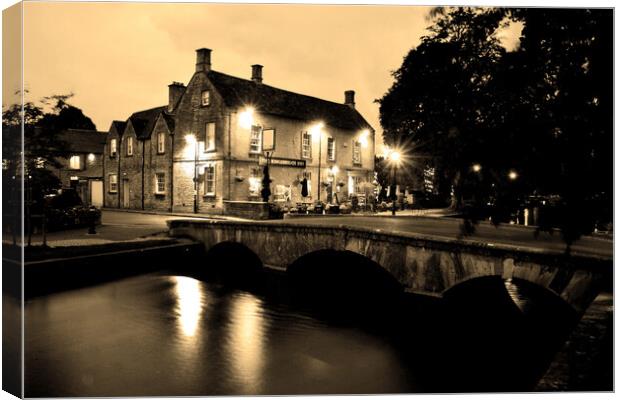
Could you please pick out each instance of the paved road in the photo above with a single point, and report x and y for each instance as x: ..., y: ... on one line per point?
x: 119, y: 225
x: 485, y: 232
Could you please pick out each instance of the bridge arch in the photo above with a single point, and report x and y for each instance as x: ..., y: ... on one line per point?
x: 232, y: 261
x: 424, y: 265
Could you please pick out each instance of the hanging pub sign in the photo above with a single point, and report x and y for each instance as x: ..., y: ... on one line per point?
x: 283, y: 162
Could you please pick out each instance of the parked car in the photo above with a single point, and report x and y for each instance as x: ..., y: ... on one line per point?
x: 66, y: 210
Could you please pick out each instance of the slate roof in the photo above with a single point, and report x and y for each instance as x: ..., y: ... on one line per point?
x: 120, y: 126
x: 267, y: 99
x: 84, y: 140
x: 144, y: 121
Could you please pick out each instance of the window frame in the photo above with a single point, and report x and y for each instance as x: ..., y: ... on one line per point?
x: 129, y: 146
x: 254, y: 176
x: 113, y: 147
x: 259, y: 138
x: 112, y: 182
x: 157, y: 191
x: 209, y: 144
x: 161, y: 142
x: 207, y: 193
x: 357, y: 150
x: 331, y: 140
x: 79, y: 162
x: 307, y: 134
x: 206, y: 92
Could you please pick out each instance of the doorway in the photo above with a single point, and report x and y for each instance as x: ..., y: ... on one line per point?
x: 125, y: 193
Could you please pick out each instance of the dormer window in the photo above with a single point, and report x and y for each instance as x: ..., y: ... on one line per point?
x: 205, y: 98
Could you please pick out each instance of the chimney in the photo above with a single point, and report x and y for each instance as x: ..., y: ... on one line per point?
x: 257, y: 73
x: 349, y: 98
x: 175, y: 90
x: 203, y: 60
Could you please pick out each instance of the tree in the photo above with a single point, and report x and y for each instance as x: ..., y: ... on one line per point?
x: 42, y: 146
x: 543, y: 110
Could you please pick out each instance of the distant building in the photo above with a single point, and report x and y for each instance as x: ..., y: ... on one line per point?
x: 82, y: 169
x: 205, y: 150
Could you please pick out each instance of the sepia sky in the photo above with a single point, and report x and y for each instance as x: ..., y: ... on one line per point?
x: 120, y: 57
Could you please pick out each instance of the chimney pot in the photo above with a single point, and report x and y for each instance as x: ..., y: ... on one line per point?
x: 257, y: 73
x: 203, y: 60
x: 349, y: 98
x: 175, y: 91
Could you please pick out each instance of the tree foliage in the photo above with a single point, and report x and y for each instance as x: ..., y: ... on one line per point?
x: 543, y: 110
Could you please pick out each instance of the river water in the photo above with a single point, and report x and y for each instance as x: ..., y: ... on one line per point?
x: 170, y: 334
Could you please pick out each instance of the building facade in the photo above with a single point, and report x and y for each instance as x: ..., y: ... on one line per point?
x: 82, y: 168
x: 207, y: 148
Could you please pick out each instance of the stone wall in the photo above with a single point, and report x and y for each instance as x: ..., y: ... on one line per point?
x: 424, y: 265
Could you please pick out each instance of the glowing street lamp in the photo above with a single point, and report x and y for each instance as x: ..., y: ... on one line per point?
x: 512, y: 175
x: 191, y: 140
x: 394, y: 159
x: 476, y: 167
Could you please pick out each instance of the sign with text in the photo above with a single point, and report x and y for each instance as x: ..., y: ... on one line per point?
x: 283, y: 162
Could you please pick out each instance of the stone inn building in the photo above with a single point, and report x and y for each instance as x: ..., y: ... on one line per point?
x: 206, y: 149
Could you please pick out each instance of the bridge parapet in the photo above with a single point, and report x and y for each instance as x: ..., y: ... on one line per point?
x: 422, y: 264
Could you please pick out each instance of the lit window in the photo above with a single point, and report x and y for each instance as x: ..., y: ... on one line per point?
x: 255, y: 181
x: 331, y: 149
x: 357, y: 152
x: 113, y: 179
x: 160, y: 183
x: 130, y: 146
x: 306, y: 145
x: 255, y: 139
x: 205, y: 98
x: 210, y: 136
x: 39, y: 163
x: 113, y: 148
x: 354, y: 185
x: 282, y: 193
x: 161, y: 142
x: 74, y: 162
x: 210, y: 180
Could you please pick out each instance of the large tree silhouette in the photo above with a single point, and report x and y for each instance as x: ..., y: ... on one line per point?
x: 543, y: 110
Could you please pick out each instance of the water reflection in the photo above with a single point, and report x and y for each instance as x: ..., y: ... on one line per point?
x: 189, y: 303
x: 246, y: 341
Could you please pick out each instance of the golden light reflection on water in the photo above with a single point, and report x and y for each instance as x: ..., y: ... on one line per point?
x: 246, y: 342
x: 189, y: 304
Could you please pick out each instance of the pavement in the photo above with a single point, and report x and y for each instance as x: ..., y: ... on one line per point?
x: 122, y: 226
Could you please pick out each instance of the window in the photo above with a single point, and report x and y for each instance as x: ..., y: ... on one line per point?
x: 331, y: 149
x: 282, y: 193
x: 357, y: 152
x: 113, y: 179
x: 354, y: 185
x: 210, y: 136
x: 255, y: 139
x: 74, y: 162
x: 5, y: 163
x: 255, y: 181
x: 161, y: 142
x: 307, y: 175
x: 39, y: 163
x: 130, y: 146
x: 160, y: 183
x: 205, y: 98
x: 210, y: 180
x: 113, y: 148
x: 306, y: 145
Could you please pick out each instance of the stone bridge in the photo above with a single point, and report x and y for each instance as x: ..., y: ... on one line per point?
x: 423, y: 265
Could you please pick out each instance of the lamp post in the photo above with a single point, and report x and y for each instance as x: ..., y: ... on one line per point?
x: 394, y: 158
x: 191, y: 140
x: 317, y: 130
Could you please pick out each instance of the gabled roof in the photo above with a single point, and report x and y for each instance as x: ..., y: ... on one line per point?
x: 120, y: 126
x: 267, y: 99
x: 144, y: 121
x: 84, y: 140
